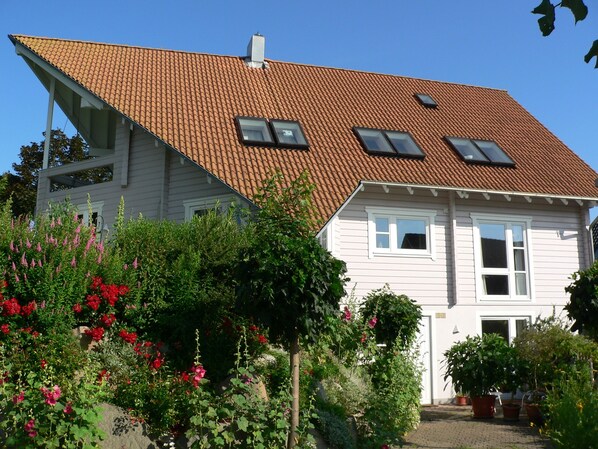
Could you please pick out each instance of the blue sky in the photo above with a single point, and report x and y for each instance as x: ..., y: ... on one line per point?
x: 493, y: 44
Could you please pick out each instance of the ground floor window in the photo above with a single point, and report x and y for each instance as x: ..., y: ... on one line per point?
x: 506, y: 327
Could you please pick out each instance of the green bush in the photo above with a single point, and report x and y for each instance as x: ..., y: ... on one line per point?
x: 572, y: 407
x: 394, y: 318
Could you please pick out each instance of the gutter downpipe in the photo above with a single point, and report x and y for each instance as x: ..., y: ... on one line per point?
x: 453, y: 247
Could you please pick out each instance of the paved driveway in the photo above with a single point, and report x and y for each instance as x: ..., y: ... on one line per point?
x: 451, y: 427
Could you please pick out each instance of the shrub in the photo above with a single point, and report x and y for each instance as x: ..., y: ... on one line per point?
x: 394, y: 318
x: 583, y: 304
x: 573, y: 412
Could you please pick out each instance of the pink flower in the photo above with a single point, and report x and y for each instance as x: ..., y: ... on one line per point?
x: 68, y: 409
x: 18, y: 398
x: 73, y: 262
x: 385, y: 446
x: 135, y: 263
x: 372, y: 322
x: 51, y: 395
x: 347, y: 314
x: 38, y: 248
x: 198, y: 374
x: 30, y: 428
x: 363, y: 337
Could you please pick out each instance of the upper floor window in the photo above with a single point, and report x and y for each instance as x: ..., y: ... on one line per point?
x: 389, y: 143
x: 480, y: 151
x: 281, y: 133
x: 502, y: 257
x: 201, y: 206
x: 403, y: 232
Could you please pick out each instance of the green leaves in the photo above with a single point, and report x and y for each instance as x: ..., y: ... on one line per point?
x: 546, y: 22
x: 593, y: 52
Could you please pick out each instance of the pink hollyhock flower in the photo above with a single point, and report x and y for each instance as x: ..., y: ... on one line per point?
x: 68, y: 409
x: 198, y: 374
x: 51, y: 395
x: 347, y: 314
x: 18, y: 398
x: 385, y: 446
x: 372, y: 322
x: 30, y: 428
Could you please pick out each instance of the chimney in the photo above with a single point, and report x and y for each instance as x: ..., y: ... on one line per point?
x: 255, y: 52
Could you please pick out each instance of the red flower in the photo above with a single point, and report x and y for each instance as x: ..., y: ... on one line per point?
x: 96, y: 282
x: 77, y: 308
x: 263, y: 340
x: 107, y: 320
x: 43, y: 364
x: 93, y: 301
x: 372, y: 322
x: 123, y: 290
x: 385, y: 446
x: 18, y: 398
x: 109, y: 293
x: 103, y: 375
x: 363, y: 337
x: 129, y: 337
x: 157, y: 363
x: 254, y: 328
x: 5, y: 328
x: 11, y: 307
x: 96, y: 333
x: 28, y: 309
x: 68, y: 409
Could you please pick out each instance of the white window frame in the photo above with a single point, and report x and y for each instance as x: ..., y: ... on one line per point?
x: 394, y: 214
x: 504, y: 315
x: 85, y: 208
x: 508, y: 221
x: 224, y: 202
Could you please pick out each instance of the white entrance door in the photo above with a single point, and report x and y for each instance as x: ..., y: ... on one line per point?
x: 424, y: 338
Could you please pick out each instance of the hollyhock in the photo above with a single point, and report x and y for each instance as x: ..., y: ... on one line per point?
x: 43, y: 364
x: 30, y: 428
x: 372, y: 322
x: 347, y: 314
x: 51, y: 395
x: 68, y: 409
x: 18, y: 398
x: 198, y: 374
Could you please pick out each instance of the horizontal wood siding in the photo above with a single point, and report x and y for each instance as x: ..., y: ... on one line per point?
x: 421, y: 278
x: 190, y: 182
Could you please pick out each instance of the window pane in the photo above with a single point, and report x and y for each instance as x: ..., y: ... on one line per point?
x: 255, y: 130
x: 467, y: 150
x: 517, y: 236
x: 411, y: 234
x: 404, y: 144
x: 494, y: 245
x: 520, y: 326
x: 374, y: 140
x: 500, y: 327
x: 520, y: 284
x: 519, y: 257
x: 288, y: 132
x: 496, y: 284
x: 494, y: 152
x: 382, y: 233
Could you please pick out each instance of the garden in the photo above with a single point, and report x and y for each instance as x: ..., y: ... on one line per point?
x: 212, y: 334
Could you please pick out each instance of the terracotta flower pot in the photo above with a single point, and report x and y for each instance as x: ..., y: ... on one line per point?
x: 534, y: 414
x: 483, y: 406
x: 510, y: 411
x: 461, y: 400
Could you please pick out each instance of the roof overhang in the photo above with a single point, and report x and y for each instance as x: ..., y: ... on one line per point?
x: 464, y: 193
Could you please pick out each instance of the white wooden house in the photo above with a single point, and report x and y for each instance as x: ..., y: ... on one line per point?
x: 452, y: 194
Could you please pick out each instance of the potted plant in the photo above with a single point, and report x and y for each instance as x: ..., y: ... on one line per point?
x: 515, y: 370
x: 476, y: 366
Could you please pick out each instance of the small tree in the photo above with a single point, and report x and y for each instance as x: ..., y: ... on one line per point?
x: 583, y: 304
x: 288, y: 282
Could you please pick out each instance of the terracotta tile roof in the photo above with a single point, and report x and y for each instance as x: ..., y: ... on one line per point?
x: 189, y: 101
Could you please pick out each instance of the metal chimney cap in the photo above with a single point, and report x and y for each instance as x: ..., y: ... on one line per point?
x: 256, y: 52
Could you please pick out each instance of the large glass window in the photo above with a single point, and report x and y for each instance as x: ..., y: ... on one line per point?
x: 254, y: 130
x: 480, y: 151
x: 401, y: 232
x: 507, y: 327
x: 502, y: 258
x: 388, y: 143
x: 282, y: 133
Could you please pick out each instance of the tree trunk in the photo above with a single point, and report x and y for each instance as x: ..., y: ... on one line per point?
x: 294, y: 354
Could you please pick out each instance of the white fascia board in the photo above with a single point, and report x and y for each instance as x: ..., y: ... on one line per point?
x: 480, y: 191
x: 358, y: 189
x: 54, y: 72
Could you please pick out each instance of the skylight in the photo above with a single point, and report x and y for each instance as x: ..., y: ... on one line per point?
x: 426, y: 100
x: 480, y: 151
x: 389, y: 143
x: 275, y: 132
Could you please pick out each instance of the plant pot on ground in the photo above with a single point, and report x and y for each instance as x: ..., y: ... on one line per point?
x: 511, y: 411
x: 476, y: 365
x: 461, y: 400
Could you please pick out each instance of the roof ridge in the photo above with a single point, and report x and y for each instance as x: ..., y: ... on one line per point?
x: 275, y: 61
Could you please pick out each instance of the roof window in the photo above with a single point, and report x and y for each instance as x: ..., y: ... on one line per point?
x: 281, y: 133
x: 426, y: 100
x: 389, y: 143
x: 480, y: 151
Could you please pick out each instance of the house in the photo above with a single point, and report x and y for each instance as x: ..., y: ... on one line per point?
x: 452, y: 194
